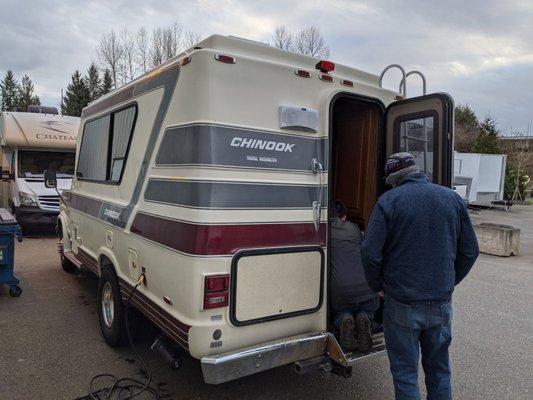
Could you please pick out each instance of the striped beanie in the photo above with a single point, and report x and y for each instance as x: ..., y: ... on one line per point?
x: 397, y: 162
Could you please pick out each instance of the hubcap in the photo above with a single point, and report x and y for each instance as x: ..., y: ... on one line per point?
x: 108, y: 309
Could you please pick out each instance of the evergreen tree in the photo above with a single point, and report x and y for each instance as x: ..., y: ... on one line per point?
x: 107, y: 82
x: 26, y: 97
x: 487, y: 140
x: 92, y: 80
x: 466, y: 129
x: 9, y: 89
x: 76, y: 96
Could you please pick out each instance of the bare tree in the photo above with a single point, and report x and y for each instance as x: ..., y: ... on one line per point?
x: 129, y: 64
x: 282, y: 39
x: 309, y: 41
x: 156, y: 48
x: 190, y: 39
x: 519, y: 157
x: 109, y: 53
x: 142, y: 49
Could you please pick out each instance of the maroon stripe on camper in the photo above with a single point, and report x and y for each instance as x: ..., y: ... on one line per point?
x: 85, y: 204
x: 225, y: 239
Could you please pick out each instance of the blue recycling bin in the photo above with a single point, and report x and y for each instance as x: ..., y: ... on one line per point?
x: 9, y: 231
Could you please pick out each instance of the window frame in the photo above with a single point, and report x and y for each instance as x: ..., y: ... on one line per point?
x: 111, y: 114
x: 419, y: 115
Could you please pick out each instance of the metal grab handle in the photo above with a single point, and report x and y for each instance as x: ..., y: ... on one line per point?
x: 403, y: 77
x: 403, y: 82
x: 317, y: 169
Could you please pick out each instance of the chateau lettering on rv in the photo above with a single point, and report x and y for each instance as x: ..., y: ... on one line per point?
x: 48, y: 136
x: 261, y: 144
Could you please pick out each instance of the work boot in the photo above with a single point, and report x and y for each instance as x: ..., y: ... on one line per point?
x: 346, y: 335
x: 364, y: 336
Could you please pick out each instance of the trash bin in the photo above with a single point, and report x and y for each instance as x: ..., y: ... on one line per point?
x: 9, y: 230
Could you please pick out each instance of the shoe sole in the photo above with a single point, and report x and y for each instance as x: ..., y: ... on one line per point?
x: 364, y: 337
x: 346, y: 335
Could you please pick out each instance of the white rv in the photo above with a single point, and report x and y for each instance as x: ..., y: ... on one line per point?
x: 31, y: 143
x: 201, y: 194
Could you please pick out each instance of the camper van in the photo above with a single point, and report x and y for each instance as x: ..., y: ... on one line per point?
x: 33, y: 142
x: 201, y: 190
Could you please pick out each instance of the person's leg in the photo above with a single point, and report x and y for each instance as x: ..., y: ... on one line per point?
x: 401, y: 339
x: 434, y: 343
x: 345, y: 323
x: 363, y: 322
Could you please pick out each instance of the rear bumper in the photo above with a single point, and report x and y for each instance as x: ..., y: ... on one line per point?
x: 233, y: 365
x: 319, y: 345
x: 35, y: 215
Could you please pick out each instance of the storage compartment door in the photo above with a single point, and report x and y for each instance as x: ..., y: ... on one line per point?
x: 270, y: 284
x: 423, y: 126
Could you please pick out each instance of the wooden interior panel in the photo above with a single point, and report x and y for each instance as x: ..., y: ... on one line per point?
x: 355, y: 141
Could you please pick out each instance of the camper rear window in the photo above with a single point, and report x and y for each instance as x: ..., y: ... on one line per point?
x: 34, y: 163
x: 104, y: 146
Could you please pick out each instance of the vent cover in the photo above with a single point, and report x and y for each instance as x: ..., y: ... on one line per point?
x: 298, y: 118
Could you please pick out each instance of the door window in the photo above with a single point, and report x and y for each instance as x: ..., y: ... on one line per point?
x: 417, y: 137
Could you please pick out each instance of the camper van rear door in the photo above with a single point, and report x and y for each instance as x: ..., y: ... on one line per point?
x: 423, y: 126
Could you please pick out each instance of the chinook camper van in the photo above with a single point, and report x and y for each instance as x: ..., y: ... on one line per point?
x: 33, y: 142
x: 201, y: 190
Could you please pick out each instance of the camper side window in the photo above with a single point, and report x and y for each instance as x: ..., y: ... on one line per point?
x: 92, y: 161
x: 104, y: 146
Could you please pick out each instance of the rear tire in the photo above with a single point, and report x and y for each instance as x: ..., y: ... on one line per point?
x: 110, y: 308
x: 66, y: 264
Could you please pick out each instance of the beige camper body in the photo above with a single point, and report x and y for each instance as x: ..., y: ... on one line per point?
x: 211, y: 176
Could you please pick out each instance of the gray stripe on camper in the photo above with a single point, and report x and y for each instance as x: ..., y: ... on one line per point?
x: 222, y: 195
x: 206, y: 144
x: 113, y: 214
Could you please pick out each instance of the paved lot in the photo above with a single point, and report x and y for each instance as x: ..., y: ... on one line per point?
x: 50, y: 344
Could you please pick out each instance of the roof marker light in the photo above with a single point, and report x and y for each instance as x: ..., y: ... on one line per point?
x: 225, y: 59
x: 398, y: 97
x: 303, y: 73
x: 325, y: 66
x: 185, y: 61
x: 346, y: 82
x: 326, y: 78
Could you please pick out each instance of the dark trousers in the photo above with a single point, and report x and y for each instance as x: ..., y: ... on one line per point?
x: 411, y: 329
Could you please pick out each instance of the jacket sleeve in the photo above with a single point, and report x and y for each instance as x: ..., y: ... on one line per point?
x: 372, y: 248
x: 467, y: 247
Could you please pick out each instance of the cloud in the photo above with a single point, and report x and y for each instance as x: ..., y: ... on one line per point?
x: 479, y: 51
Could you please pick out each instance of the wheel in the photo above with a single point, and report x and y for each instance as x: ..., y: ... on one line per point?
x: 66, y: 264
x: 15, y: 291
x: 110, y: 308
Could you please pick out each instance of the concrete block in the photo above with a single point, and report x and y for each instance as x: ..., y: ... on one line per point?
x: 497, y: 239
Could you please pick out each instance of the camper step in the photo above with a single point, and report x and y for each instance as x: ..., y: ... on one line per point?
x: 378, y: 346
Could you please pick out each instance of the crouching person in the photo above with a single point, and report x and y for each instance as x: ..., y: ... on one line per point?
x: 419, y: 244
x: 352, y: 301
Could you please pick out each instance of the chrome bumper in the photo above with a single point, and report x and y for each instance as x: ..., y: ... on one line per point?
x: 237, y: 364
x: 233, y: 365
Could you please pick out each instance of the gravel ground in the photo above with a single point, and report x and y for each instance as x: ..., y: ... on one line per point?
x: 50, y: 343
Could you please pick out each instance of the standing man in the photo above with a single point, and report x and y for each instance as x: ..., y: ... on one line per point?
x: 419, y: 244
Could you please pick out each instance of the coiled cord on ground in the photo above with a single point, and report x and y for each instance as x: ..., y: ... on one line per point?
x: 126, y: 388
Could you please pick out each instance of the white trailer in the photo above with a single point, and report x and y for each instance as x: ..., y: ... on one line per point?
x: 480, y: 178
x: 32, y: 142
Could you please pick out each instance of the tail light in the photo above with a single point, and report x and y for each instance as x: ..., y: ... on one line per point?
x: 225, y: 59
x: 325, y: 66
x: 303, y: 73
x: 346, y: 82
x: 326, y: 78
x: 216, y: 291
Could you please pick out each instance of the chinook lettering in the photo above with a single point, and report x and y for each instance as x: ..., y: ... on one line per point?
x: 261, y: 144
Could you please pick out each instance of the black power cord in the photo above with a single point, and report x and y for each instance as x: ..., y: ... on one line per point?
x: 126, y: 388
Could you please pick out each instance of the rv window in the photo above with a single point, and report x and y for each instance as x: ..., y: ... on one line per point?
x: 122, y: 129
x: 34, y: 163
x: 416, y: 137
x: 92, y: 160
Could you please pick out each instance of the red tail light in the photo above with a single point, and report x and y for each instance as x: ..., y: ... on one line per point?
x: 225, y: 59
x: 303, y: 73
x: 326, y: 78
x: 216, y: 291
x: 346, y: 82
x: 325, y: 66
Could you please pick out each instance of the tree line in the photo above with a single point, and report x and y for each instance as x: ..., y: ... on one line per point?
x: 15, y: 96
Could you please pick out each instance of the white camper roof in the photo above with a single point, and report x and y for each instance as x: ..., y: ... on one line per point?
x: 34, y: 130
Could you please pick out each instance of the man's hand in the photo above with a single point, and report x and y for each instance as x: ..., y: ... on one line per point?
x: 381, y: 293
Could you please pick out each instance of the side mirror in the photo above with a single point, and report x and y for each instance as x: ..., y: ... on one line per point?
x: 50, y: 178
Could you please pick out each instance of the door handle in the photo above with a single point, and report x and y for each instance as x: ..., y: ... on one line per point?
x: 317, y: 169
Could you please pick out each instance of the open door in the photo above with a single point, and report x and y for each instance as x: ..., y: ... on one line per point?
x: 423, y: 126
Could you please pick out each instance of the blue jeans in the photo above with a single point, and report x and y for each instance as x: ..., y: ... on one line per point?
x: 411, y: 329
x: 368, y: 307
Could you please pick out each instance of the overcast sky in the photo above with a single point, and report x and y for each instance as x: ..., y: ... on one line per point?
x: 481, y: 52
